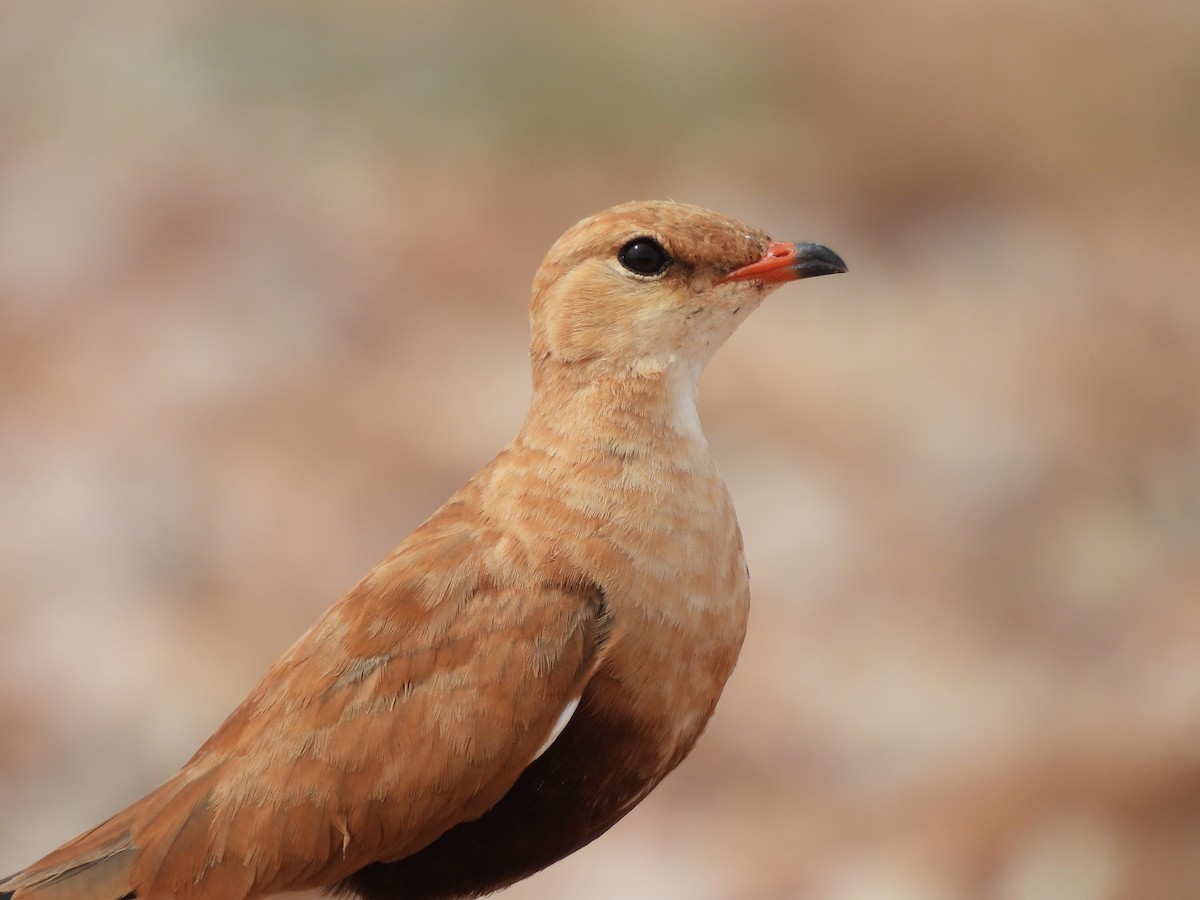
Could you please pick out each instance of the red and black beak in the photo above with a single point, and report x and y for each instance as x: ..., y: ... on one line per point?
x: 789, y: 262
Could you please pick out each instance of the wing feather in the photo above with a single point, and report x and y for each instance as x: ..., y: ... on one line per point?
x: 412, y: 705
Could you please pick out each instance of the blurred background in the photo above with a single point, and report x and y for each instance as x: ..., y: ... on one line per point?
x: 263, y: 276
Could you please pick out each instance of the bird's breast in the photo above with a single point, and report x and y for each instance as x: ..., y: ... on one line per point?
x: 677, y: 587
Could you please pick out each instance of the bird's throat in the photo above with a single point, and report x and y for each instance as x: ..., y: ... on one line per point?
x: 648, y: 409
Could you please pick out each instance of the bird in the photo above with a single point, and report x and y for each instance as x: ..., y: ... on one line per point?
x: 528, y: 664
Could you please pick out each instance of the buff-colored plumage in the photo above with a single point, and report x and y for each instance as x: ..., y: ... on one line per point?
x: 396, y: 749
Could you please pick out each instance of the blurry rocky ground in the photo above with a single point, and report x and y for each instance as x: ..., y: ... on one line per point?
x: 263, y: 274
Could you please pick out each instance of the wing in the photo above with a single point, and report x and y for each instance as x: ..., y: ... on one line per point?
x: 412, y: 705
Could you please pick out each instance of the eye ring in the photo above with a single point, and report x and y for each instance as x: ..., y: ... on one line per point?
x: 644, y: 256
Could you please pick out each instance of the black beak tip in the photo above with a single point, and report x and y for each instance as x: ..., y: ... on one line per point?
x: 817, y: 259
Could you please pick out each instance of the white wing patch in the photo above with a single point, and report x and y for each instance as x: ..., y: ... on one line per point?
x: 563, y: 718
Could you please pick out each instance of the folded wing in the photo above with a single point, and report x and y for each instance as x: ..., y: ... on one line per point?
x: 412, y: 705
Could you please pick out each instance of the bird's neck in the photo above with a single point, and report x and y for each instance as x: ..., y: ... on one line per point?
x: 636, y: 409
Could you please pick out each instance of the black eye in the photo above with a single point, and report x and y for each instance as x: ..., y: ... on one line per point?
x: 644, y: 256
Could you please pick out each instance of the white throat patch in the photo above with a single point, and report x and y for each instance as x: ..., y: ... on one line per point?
x: 684, y: 392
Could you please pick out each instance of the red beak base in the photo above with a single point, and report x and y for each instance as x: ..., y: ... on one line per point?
x: 789, y: 262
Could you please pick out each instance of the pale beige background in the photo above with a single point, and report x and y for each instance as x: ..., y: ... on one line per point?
x: 263, y: 274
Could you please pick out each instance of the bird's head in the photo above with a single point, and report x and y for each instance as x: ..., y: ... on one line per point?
x: 647, y: 286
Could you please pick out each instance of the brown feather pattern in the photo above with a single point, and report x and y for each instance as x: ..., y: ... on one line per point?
x: 392, y: 751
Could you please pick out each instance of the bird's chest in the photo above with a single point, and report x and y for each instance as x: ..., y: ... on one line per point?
x: 657, y: 533
x: 679, y: 605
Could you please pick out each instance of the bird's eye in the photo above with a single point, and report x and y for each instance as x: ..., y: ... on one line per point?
x: 644, y: 256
